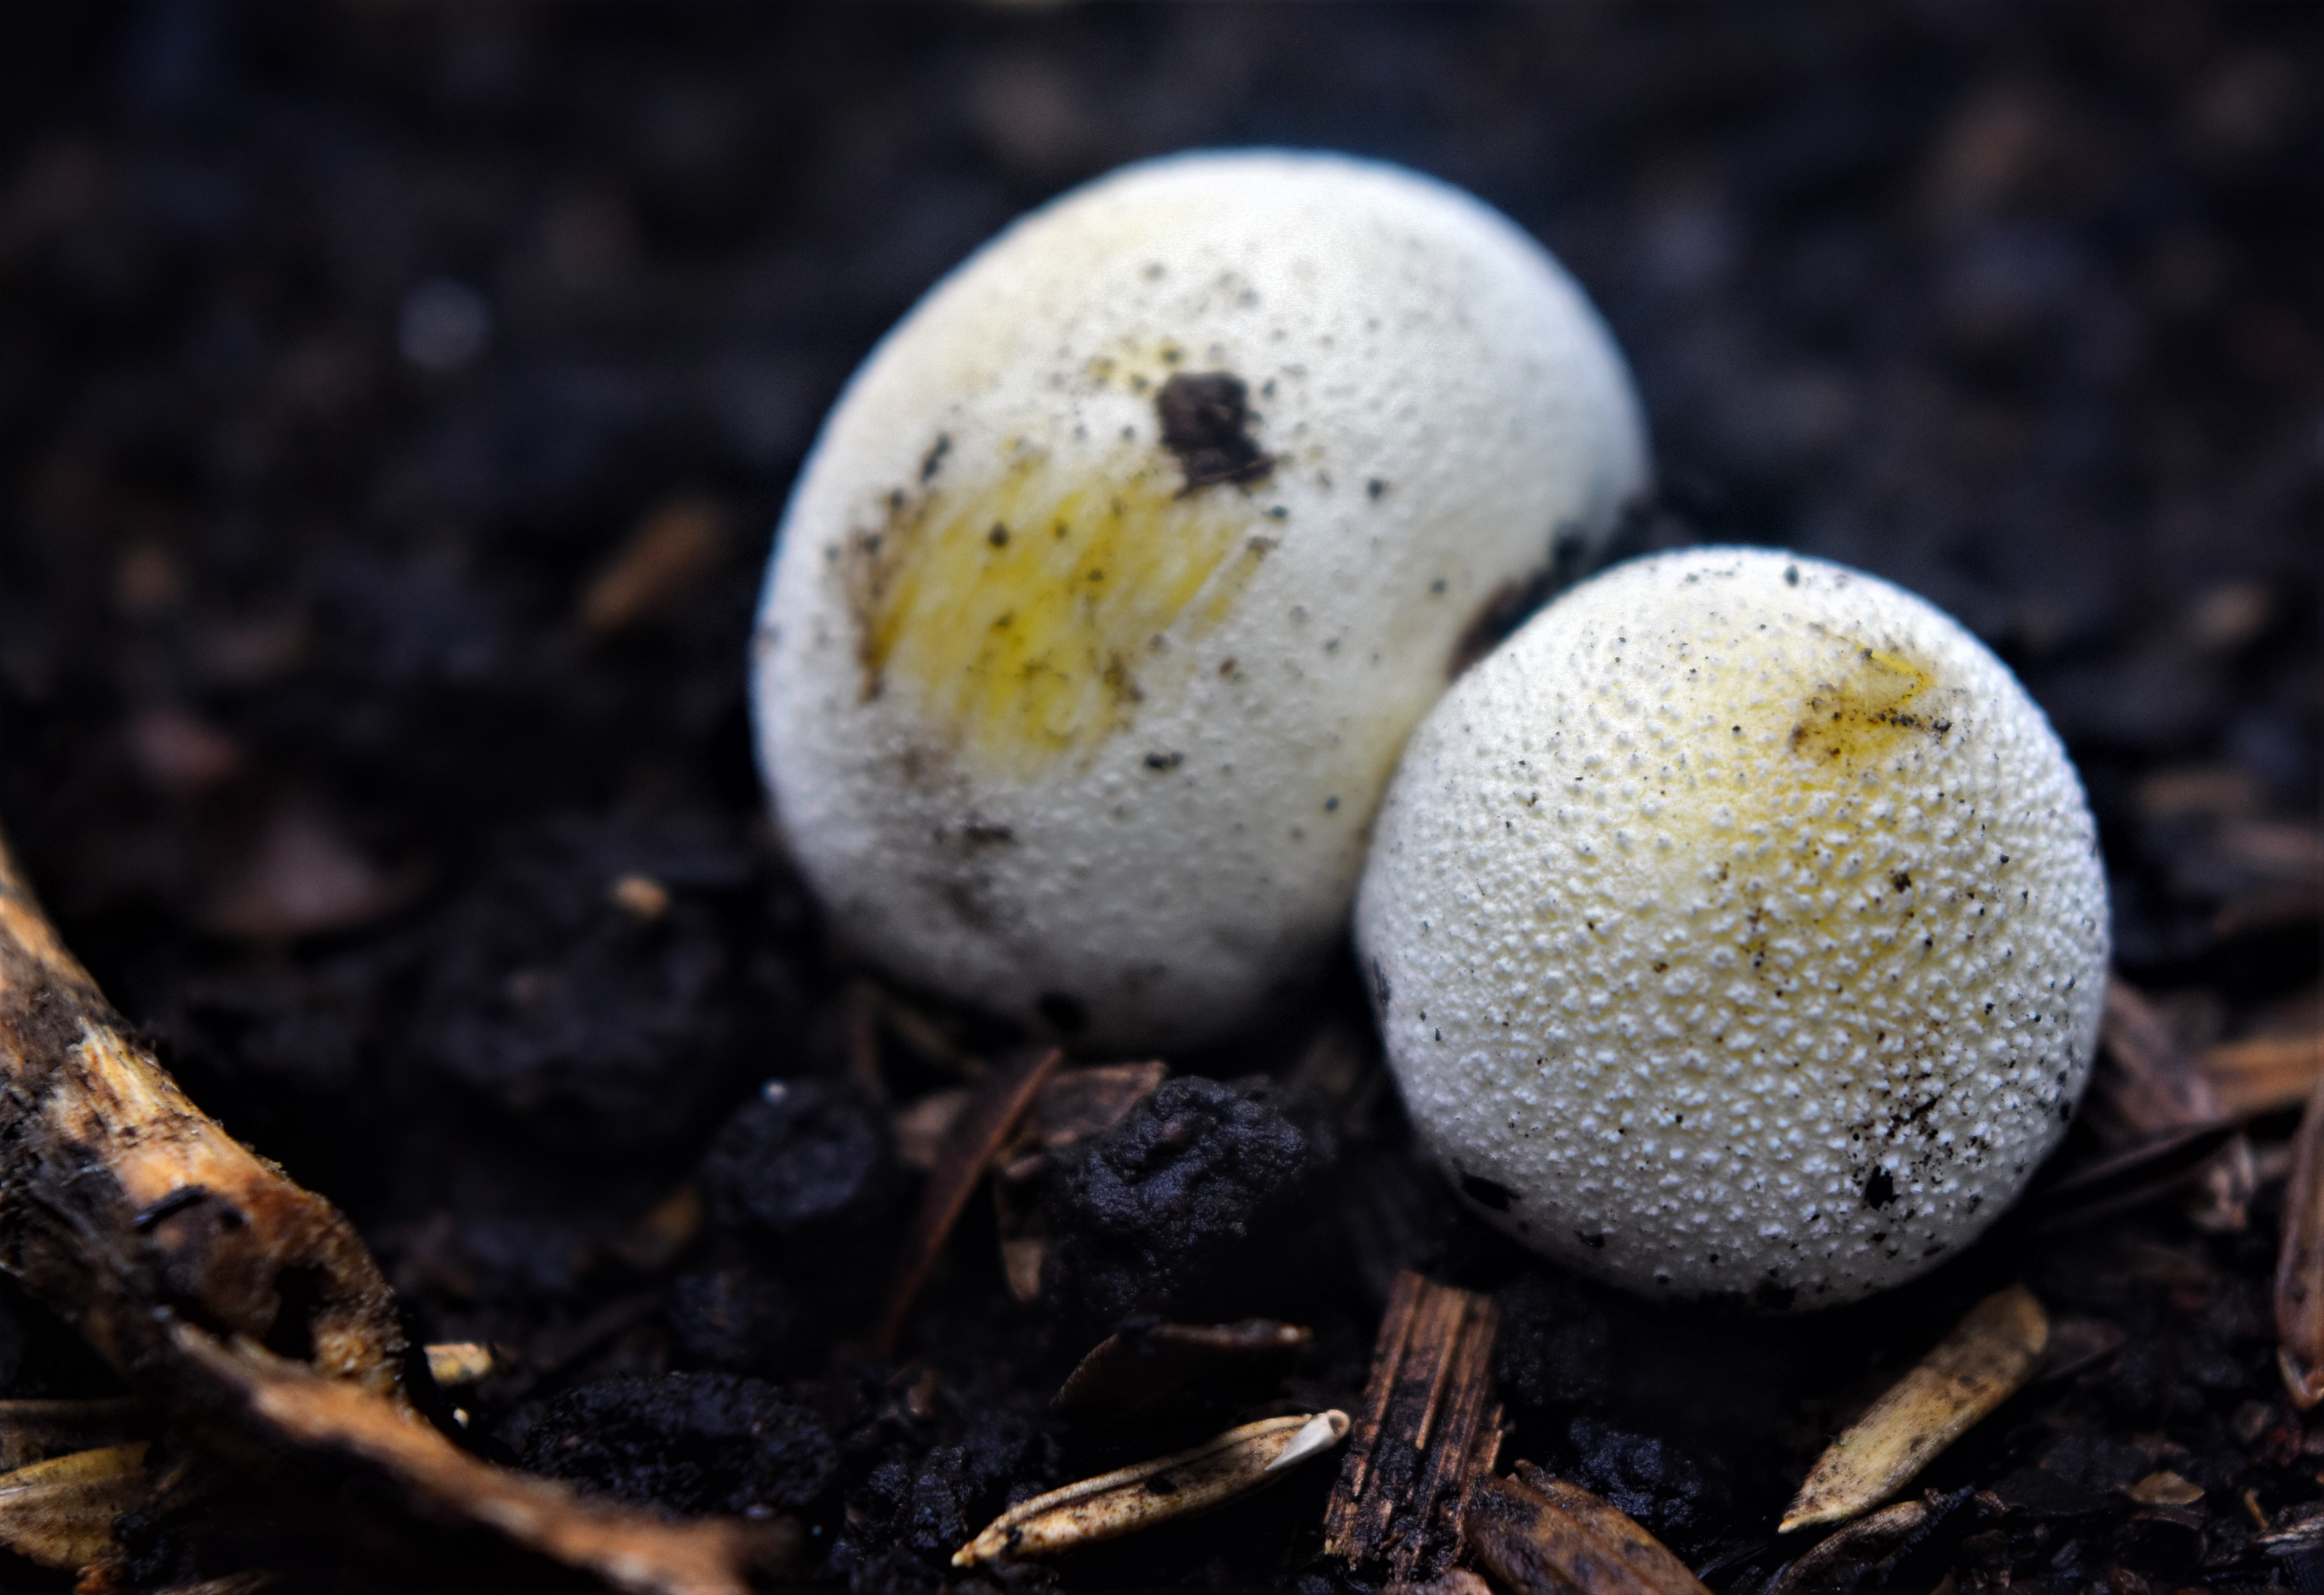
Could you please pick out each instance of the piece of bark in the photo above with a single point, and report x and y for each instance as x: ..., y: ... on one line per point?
x: 976, y: 1135
x: 1429, y: 1431
x: 60, y: 1512
x: 1110, y: 1505
x: 1540, y: 1536
x: 1986, y: 1359
x: 2151, y: 1087
x: 134, y: 1217
x: 2264, y: 1074
x: 1138, y: 1369
x: 333, y: 1420
x: 2300, y: 1263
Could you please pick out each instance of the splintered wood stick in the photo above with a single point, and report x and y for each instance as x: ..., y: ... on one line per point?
x: 1429, y: 1432
x: 241, y: 1304
x: 2153, y: 1088
x: 2300, y: 1263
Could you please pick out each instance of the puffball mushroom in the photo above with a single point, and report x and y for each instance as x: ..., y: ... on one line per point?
x: 1126, y: 562
x: 1738, y: 927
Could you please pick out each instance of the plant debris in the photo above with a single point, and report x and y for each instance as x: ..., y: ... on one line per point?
x: 2300, y: 1263
x: 1131, y: 1499
x: 2154, y: 1089
x: 60, y: 1512
x: 969, y: 1146
x: 1429, y: 1430
x: 2014, y: 305
x: 1142, y: 1367
x: 1542, y: 1535
x: 1986, y: 1359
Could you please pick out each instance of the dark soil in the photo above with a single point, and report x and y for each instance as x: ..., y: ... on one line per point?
x: 342, y: 346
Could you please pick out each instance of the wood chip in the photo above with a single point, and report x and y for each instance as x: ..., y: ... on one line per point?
x: 60, y: 1512
x: 2300, y: 1263
x: 1542, y: 1535
x: 1989, y: 1355
x: 2149, y: 1086
x: 676, y: 545
x: 2164, y: 1489
x: 1429, y: 1432
x: 459, y: 1363
x: 974, y: 1138
x: 662, y: 1233
x: 1134, y: 1371
x: 1072, y: 1105
x: 2264, y: 1074
x: 1131, y: 1499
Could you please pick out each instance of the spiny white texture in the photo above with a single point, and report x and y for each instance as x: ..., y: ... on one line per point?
x: 1128, y: 561
x: 1738, y: 927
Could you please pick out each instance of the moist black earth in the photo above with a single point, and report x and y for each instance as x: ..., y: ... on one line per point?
x: 396, y: 402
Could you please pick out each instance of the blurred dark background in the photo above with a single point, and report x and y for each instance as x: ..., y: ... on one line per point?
x: 396, y: 400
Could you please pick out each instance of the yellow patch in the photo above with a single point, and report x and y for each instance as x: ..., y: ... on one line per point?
x: 1850, y: 723
x: 1022, y: 612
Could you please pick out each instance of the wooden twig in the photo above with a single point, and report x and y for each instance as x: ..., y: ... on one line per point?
x: 2300, y: 1263
x: 337, y: 1421
x: 126, y: 1209
x: 2153, y: 1088
x: 982, y: 1128
x: 242, y: 1305
x: 1429, y: 1432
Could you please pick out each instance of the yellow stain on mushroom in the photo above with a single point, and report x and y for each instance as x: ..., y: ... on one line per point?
x: 1028, y: 613
x: 1850, y: 723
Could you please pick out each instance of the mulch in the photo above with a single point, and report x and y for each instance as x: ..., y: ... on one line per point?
x: 395, y: 400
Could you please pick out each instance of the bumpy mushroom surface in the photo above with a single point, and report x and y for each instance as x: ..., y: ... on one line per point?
x: 1738, y: 927
x: 1128, y: 561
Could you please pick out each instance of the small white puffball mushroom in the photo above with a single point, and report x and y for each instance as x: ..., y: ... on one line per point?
x: 1129, y: 559
x: 1738, y: 928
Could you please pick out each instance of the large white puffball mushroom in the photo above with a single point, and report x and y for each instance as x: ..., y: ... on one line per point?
x: 1738, y: 928
x: 1129, y: 559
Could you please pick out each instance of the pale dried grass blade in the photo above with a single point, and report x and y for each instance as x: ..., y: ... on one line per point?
x: 60, y: 1512
x: 1986, y: 1359
x: 32, y: 1430
x: 2299, y: 1264
x: 1131, y: 1499
x: 2264, y: 1074
x: 1536, y: 1547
